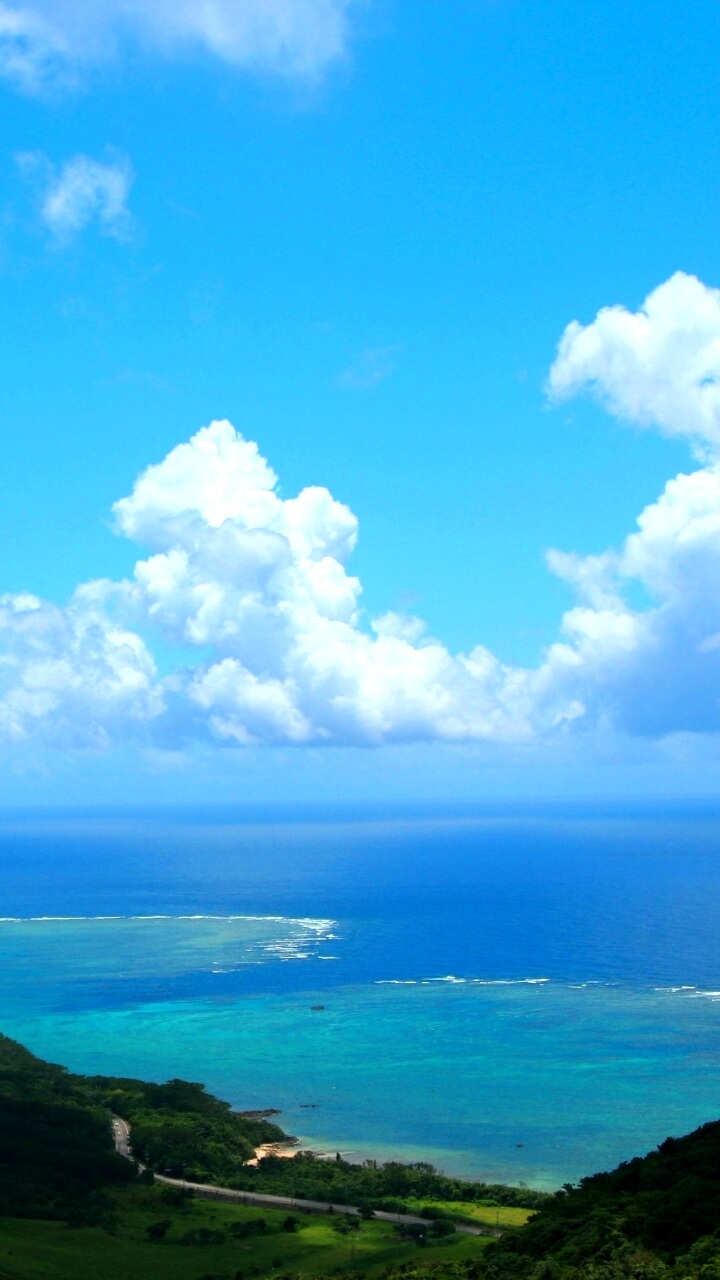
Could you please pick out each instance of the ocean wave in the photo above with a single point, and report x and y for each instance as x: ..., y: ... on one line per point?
x: 673, y: 991
x: 451, y: 980
x: 509, y: 982
x: 316, y: 926
x: 274, y: 939
x: 689, y: 991
x: 686, y: 991
x: 58, y: 919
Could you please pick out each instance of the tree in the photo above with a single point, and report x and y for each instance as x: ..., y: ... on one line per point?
x: 158, y: 1230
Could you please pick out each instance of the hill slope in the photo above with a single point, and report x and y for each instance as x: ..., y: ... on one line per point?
x: 659, y: 1205
x: 57, y: 1151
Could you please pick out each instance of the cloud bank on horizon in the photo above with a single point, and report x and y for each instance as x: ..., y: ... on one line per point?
x: 258, y: 586
x: 44, y: 43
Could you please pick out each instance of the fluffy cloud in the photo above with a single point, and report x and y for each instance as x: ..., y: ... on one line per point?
x: 44, y: 42
x: 263, y: 582
x: 652, y: 670
x: 260, y: 584
x: 72, y: 676
x: 83, y: 191
x: 258, y: 587
x: 656, y: 670
x: 659, y: 366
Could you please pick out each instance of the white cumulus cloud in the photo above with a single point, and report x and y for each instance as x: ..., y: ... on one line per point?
x: 45, y: 41
x: 654, y: 670
x: 258, y: 588
x: 659, y: 366
x: 260, y: 584
x: 263, y: 581
x: 72, y: 676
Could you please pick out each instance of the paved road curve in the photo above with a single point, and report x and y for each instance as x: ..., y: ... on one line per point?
x: 121, y: 1132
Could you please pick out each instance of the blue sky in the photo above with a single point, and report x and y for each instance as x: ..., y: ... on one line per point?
x: 358, y: 231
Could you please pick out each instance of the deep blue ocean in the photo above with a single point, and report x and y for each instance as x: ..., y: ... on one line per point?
x: 520, y: 993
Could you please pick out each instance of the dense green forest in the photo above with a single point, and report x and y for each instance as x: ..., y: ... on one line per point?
x: 57, y: 1153
x: 181, y: 1130
x: 655, y: 1217
x: 388, y: 1186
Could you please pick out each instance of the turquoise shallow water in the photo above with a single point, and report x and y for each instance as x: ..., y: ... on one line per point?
x: 524, y: 1001
x: 97, y: 958
x: 531, y: 1080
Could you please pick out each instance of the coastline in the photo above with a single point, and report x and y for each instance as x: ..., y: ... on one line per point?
x: 368, y: 1079
x: 284, y: 1150
x: 447, y: 1162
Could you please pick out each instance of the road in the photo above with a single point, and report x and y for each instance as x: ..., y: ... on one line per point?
x: 121, y: 1132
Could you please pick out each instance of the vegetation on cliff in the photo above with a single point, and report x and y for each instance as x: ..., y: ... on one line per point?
x: 181, y: 1130
x: 57, y: 1152
x: 655, y: 1215
x: 392, y: 1186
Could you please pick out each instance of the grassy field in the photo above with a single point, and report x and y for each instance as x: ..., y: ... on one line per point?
x: 31, y: 1250
x: 489, y: 1215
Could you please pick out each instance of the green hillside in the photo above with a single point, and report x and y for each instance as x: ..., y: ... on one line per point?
x: 399, y: 1188
x: 656, y: 1217
x: 72, y: 1209
x: 659, y: 1212
x: 57, y: 1153
x: 202, y: 1240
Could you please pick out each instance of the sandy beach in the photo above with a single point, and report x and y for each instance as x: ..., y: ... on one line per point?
x: 285, y: 1150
